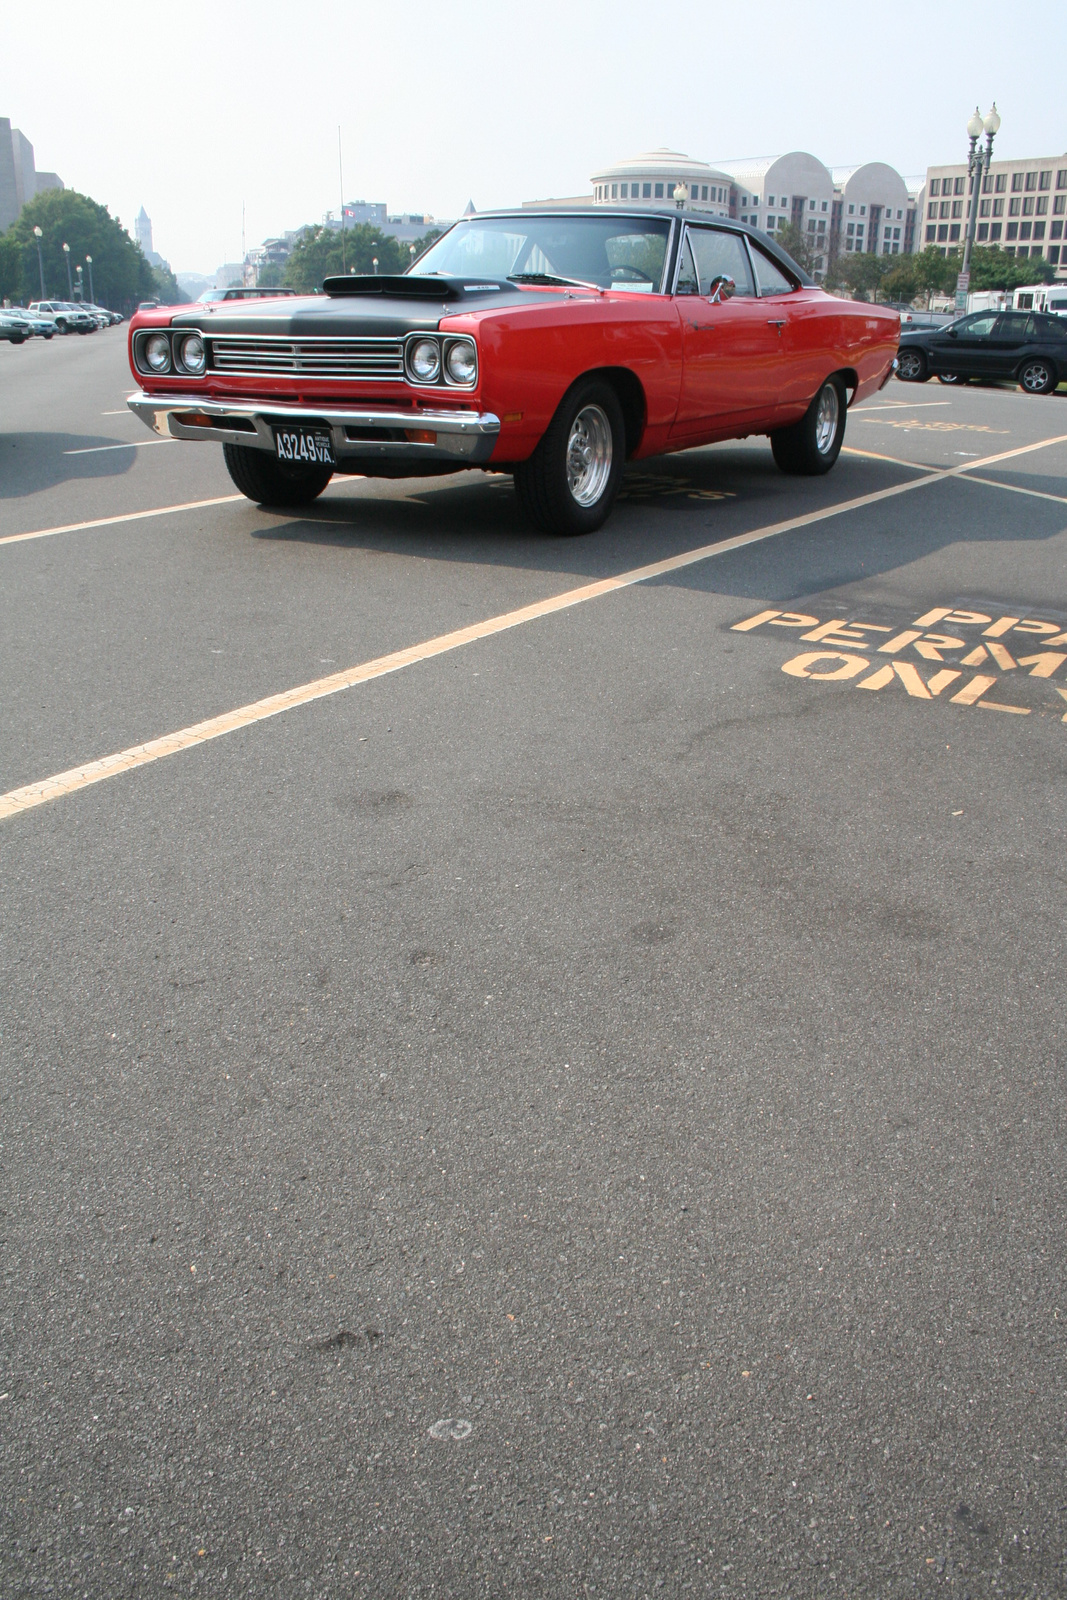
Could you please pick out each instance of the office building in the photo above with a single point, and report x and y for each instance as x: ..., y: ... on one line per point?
x: 1022, y: 208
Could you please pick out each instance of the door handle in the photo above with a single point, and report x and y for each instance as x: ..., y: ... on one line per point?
x: 776, y: 322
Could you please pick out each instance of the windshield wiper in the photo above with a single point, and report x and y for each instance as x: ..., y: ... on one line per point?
x: 551, y: 277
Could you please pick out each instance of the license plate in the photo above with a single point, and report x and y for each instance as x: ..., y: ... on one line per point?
x: 308, y: 446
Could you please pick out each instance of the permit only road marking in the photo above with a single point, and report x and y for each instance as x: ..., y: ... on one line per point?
x: 45, y: 790
x: 1039, y: 644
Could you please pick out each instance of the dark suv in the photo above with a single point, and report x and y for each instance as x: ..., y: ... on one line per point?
x: 1026, y: 347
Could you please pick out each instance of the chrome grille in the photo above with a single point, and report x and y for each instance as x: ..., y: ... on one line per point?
x: 310, y: 358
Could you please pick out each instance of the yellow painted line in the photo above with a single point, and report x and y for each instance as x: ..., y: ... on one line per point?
x: 62, y: 783
x: 128, y: 516
x: 138, y: 444
x: 1015, y: 488
x: 861, y: 411
x: 896, y: 461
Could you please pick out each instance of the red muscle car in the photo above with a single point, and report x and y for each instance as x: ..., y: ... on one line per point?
x: 554, y: 346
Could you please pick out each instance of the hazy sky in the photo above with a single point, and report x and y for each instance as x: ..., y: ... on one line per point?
x: 192, y: 108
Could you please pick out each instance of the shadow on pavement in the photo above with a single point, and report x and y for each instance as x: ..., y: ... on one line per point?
x: 676, y: 503
x: 30, y: 462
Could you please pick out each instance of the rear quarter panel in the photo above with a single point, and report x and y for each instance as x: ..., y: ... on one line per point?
x: 830, y: 335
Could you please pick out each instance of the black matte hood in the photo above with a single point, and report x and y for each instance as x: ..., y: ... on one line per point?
x: 368, y: 306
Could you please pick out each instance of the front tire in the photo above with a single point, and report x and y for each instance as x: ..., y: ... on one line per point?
x: 949, y: 377
x: 1037, y: 376
x: 812, y: 445
x: 270, y: 482
x: 911, y: 366
x: 569, y: 484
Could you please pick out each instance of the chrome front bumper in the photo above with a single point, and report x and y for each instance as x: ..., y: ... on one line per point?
x: 462, y: 436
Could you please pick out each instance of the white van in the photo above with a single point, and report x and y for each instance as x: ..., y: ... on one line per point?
x: 1051, y: 297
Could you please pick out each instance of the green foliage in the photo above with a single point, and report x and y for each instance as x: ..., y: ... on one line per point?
x: 167, y: 288
x: 795, y: 243
x: 317, y: 254
x: 993, y: 268
x: 862, y: 273
x: 121, y: 275
x: 272, y: 276
x: 901, y: 281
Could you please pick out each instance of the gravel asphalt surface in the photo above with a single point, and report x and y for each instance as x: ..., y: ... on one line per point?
x: 583, y: 1114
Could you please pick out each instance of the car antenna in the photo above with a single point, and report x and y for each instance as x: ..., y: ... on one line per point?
x: 341, y: 176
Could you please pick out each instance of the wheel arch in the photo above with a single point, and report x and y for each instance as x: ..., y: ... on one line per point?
x: 631, y: 393
x: 849, y: 377
x: 1057, y: 369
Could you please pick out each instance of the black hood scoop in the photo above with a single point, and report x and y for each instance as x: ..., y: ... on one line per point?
x: 398, y: 286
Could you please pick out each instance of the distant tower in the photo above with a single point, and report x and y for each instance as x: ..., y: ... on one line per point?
x: 470, y: 211
x: 143, y: 229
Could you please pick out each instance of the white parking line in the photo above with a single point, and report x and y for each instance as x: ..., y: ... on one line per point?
x: 44, y: 790
x: 128, y: 516
x: 898, y: 405
x: 138, y: 444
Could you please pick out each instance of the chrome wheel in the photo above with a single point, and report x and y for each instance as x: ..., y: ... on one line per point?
x: 1036, y: 377
x: 589, y: 455
x: 910, y: 366
x: 826, y: 418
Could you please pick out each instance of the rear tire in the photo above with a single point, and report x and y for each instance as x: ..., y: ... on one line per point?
x: 1037, y: 376
x: 569, y: 484
x: 911, y: 366
x: 949, y: 377
x: 273, y: 483
x: 812, y: 445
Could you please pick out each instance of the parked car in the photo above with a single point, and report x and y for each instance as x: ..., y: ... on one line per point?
x: 554, y: 346
x: 36, y: 327
x: 109, y: 318
x: 212, y: 297
x: 13, y: 328
x: 1027, y: 347
x: 68, y: 317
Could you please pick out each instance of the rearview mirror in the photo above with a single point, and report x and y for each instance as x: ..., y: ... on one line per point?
x: 721, y: 288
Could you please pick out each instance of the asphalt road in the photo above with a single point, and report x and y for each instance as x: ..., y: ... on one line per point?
x: 581, y: 1114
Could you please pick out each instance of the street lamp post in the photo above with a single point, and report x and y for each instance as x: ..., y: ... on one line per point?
x: 681, y: 194
x: 79, y: 293
x: 38, y: 236
x: 70, y: 282
x: 92, y: 293
x: 374, y: 264
x: 411, y: 253
x: 978, y: 160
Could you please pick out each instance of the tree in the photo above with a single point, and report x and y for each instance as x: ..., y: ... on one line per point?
x: 900, y: 282
x: 994, y: 268
x: 317, y: 254
x: 167, y: 288
x: 861, y: 272
x: 795, y: 243
x: 121, y: 274
x: 934, y: 273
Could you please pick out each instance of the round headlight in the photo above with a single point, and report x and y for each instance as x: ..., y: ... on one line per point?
x: 462, y: 362
x: 157, y: 352
x: 425, y: 361
x: 194, y: 357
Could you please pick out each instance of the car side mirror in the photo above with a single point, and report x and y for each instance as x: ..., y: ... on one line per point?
x: 952, y: 333
x: 721, y: 288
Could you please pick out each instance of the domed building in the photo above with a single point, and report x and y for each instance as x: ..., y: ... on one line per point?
x: 652, y: 178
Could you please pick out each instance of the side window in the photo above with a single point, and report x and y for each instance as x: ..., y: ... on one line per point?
x: 1012, y: 326
x: 978, y: 327
x: 771, y: 279
x: 719, y: 253
x: 687, y: 272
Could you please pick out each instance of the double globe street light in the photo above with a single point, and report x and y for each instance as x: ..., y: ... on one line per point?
x: 70, y: 280
x: 38, y: 236
x: 978, y: 160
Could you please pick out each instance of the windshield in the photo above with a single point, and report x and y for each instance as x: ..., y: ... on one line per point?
x: 613, y: 252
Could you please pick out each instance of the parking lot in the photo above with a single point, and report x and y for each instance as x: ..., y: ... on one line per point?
x: 527, y: 1075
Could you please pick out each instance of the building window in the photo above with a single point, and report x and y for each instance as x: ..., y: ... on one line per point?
x: 624, y: 189
x: 1045, y: 181
x: 994, y: 231
x: 1042, y: 205
x: 983, y: 230
x: 704, y: 191
x: 863, y: 211
x: 1028, y: 206
x: 1016, y: 182
x: 811, y: 205
x: 942, y: 231
x: 851, y: 229
x: 1054, y: 254
x: 935, y: 186
x: 1059, y: 204
x: 824, y: 205
x: 770, y: 199
x: 1056, y: 231
x: 1061, y: 178
x: 659, y: 191
x: 954, y: 231
x: 1031, y: 180
x: 946, y: 206
x: 1013, y: 230
x: 998, y: 208
x: 1014, y: 207
x: 931, y: 235
x: 959, y: 186
x: 984, y: 207
x: 852, y: 211
x: 1039, y: 230
x: 614, y: 191
x: 1001, y: 182
x: 957, y: 208
x: 987, y: 183
x: 1024, y: 230
x: 822, y: 225
x: 811, y: 226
